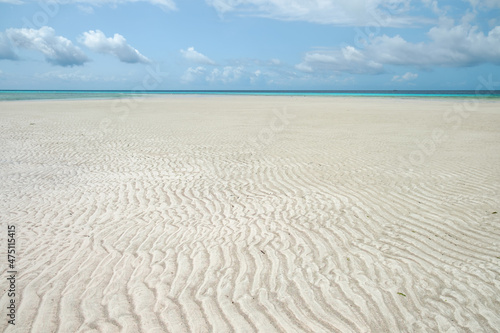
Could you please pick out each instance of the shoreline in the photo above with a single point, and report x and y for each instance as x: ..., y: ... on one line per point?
x: 100, y: 95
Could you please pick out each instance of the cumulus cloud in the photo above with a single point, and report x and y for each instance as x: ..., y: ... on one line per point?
x: 56, y: 49
x: 226, y: 75
x: 192, y: 55
x: 347, y: 59
x: 6, y: 49
x: 192, y: 74
x: 275, y: 62
x: 256, y: 76
x: 66, y: 76
x: 406, y: 77
x: 449, y: 46
x: 456, y: 46
x: 485, y: 3
x: 86, y: 9
x: 338, y: 12
x: 76, y: 76
x: 434, y: 7
x: 116, y: 45
x: 166, y: 5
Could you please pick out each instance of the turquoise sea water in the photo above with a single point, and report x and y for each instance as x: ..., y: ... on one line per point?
x: 16, y: 95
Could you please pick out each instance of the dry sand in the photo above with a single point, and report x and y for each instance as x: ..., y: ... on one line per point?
x: 242, y: 214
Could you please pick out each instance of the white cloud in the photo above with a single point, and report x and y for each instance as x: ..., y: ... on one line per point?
x: 116, y: 45
x: 449, y: 46
x: 433, y: 5
x: 456, y: 46
x: 249, y: 62
x: 56, y: 49
x: 406, y: 77
x: 192, y: 74
x: 347, y: 59
x: 166, y: 5
x: 192, y: 55
x: 71, y: 76
x: 226, y: 75
x: 485, y: 3
x: 76, y: 76
x: 339, y: 12
x: 6, y: 49
x: 86, y: 9
x: 275, y: 62
x: 12, y: 2
x: 256, y: 76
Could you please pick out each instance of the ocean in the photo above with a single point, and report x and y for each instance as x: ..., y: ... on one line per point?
x: 17, y: 95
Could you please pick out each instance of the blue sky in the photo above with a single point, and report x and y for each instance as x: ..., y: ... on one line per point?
x: 249, y: 44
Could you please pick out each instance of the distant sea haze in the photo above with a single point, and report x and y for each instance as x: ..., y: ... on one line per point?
x: 16, y: 95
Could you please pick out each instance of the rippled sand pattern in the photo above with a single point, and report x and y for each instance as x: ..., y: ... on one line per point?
x: 243, y: 214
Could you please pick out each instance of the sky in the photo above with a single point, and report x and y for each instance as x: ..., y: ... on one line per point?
x: 249, y: 44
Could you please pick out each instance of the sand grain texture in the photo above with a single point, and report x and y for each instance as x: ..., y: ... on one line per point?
x: 242, y: 214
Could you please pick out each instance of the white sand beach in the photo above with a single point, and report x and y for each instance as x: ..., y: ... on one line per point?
x: 252, y: 214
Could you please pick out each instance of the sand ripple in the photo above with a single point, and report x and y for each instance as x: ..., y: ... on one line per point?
x: 178, y: 219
